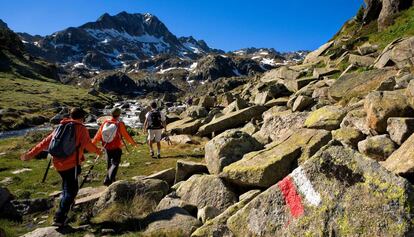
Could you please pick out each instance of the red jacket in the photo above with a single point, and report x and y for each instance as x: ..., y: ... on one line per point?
x: 82, y: 139
x: 117, y: 142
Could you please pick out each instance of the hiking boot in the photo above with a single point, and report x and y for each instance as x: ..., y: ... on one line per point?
x: 158, y: 156
x: 59, y: 222
x: 152, y: 154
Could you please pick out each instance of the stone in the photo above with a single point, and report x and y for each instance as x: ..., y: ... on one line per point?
x: 400, y: 53
x: 190, y: 127
x: 185, y: 169
x: 282, y: 101
x: 228, y: 147
x: 172, y: 200
x: 313, y: 56
x: 231, y: 120
x: 301, y: 103
x: 167, y: 175
x: 207, y: 102
x: 321, y: 72
x: 45, y: 232
x: 328, y: 118
x: 30, y: 206
x: 400, y: 129
x: 410, y: 93
x: 403, y: 82
x: 181, y: 139
x: 279, y: 125
x: 307, y: 202
x: 5, y: 196
x: 207, y: 213
x: 387, y: 85
x: 122, y: 191
x: 171, y: 222
x: 362, y: 61
x: 356, y: 119
x: 266, y: 167
x: 320, y: 93
x: 389, y: 10
x: 262, y: 98
x: 250, y: 128
x: 280, y: 73
x: 226, y: 99
x: 348, y: 136
x: 367, y: 48
x: 377, y: 147
x: 358, y: 84
x: 236, y: 105
x: 381, y: 105
x: 206, y: 190
x: 196, y: 112
x: 297, y: 84
x: 401, y: 162
x: 217, y: 226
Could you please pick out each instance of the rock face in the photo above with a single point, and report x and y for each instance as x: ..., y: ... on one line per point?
x: 328, y: 118
x: 122, y: 191
x: 228, y: 147
x: 399, y: 53
x: 400, y: 129
x: 401, y: 161
x: 174, y: 221
x: 336, y: 178
x: 206, y: 190
x: 380, y: 106
x: 118, y: 83
x: 377, y: 147
x: 231, y: 120
x: 266, y: 167
x: 278, y: 125
x: 388, y: 11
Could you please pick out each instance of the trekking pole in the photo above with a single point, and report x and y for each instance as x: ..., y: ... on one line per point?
x: 123, y: 141
x: 47, y: 170
x: 89, y: 171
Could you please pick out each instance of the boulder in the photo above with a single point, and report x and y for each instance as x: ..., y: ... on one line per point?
x: 181, y: 139
x: 387, y: 85
x: 389, y: 10
x: 401, y: 162
x: 410, y: 93
x: 195, y: 112
x: 294, y: 85
x: 45, y: 232
x: 367, y: 48
x: 262, y: 98
x: 356, y: 119
x: 400, y: 129
x: 217, y: 226
x: 123, y: 191
x: 172, y: 200
x: 381, y: 105
x: 207, y: 213
x: 400, y: 53
x: 402, y: 82
x: 171, y: 222
x: 377, y: 147
x: 206, y: 190
x: 328, y: 118
x: 313, y: 56
x: 282, y: 101
x: 348, y: 136
x: 321, y: 72
x: 250, y: 128
x: 231, y: 120
x: 301, y: 103
x: 226, y: 99
x: 30, y: 206
x: 339, y: 192
x: 228, y: 147
x: 279, y: 125
x: 362, y: 61
x: 358, y: 84
x: 283, y: 72
x: 207, y: 102
x: 185, y: 169
x: 167, y: 175
x: 236, y: 105
x: 188, y: 126
x: 266, y: 167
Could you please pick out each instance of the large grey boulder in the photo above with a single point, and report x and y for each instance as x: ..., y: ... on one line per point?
x: 378, y: 147
x: 195, y: 112
x: 45, y: 232
x: 399, y: 53
x: 339, y: 192
x: 206, y: 190
x: 313, y: 56
x: 167, y: 175
x: 236, y: 105
x: 217, y: 226
x: 231, y: 120
x: 174, y: 221
x: 356, y: 119
x: 207, y: 101
x: 266, y: 167
x: 401, y: 162
x: 400, y: 129
x: 381, y: 105
x: 185, y: 169
x: 172, y: 200
x: 279, y: 125
x: 348, y: 136
x: 363, y: 61
x: 301, y: 103
x: 228, y: 147
x: 123, y: 191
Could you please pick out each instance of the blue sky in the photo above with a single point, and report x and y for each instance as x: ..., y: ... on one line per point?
x: 225, y: 24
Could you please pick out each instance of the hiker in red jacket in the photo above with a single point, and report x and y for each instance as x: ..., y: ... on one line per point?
x: 110, y: 134
x: 68, y: 167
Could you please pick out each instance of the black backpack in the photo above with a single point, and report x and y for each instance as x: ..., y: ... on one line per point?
x: 155, y: 120
x: 63, y: 143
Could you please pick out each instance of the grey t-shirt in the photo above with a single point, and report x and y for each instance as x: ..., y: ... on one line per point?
x: 148, y: 117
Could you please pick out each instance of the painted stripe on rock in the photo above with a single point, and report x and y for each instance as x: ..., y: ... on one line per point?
x: 291, y: 196
x: 305, y: 187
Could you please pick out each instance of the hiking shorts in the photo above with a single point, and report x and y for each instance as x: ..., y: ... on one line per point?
x: 154, y: 135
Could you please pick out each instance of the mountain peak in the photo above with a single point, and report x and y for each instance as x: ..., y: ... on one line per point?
x: 3, y: 24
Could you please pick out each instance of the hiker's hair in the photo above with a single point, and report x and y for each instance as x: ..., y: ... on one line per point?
x: 116, y: 112
x: 153, y: 105
x: 77, y: 113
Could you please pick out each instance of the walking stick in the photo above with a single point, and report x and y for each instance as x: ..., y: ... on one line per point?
x: 47, y: 170
x: 89, y: 172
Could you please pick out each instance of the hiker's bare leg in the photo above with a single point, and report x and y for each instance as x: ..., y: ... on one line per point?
x: 159, y: 148
x: 150, y: 146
